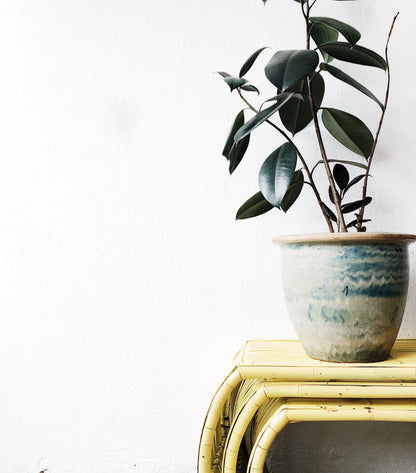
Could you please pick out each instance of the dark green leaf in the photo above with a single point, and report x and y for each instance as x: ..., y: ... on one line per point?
x: 223, y: 74
x: 297, y: 113
x: 329, y: 213
x: 238, y: 123
x: 341, y: 176
x: 348, y: 130
x: 355, y: 54
x: 331, y: 197
x: 255, y: 205
x: 304, y: 1
x: 352, y: 224
x: 273, y: 99
x: 338, y: 74
x: 355, y: 222
x: 250, y: 88
x: 360, y: 219
x: 322, y: 34
x: 237, y: 153
x: 352, y: 163
x: 350, y: 33
x: 286, y: 68
x: 250, y: 61
x: 352, y: 206
x: 363, y: 229
x: 277, y: 172
x: 235, y: 82
x: 261, y: 117
x: 293, y: 192
x: 354, y: 181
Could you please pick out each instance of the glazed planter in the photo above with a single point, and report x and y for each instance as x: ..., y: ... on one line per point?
x: 346, y: 292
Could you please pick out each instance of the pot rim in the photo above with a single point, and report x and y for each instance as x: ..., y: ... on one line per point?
x: 334, y: 238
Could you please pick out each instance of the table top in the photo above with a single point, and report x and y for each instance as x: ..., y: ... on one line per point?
x: 286, y: 360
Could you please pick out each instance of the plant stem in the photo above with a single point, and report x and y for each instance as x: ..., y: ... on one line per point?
x: 335, y: 196
x: 370, y: 159
x: 305, y: 13
x: 302, y: 159
x: 337, y: 201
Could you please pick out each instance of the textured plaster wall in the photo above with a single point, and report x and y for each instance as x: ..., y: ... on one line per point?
x: 126, y: 285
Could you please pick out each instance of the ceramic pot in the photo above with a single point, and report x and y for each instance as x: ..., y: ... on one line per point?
x: 346, y: 292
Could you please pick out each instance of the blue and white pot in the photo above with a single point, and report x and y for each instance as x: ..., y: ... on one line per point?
x: 346, y: 292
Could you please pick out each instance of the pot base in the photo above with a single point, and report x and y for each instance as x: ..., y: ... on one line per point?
x: 360, y: 356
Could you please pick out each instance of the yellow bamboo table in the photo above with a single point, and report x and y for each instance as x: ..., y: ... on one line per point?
x: 278, y: 383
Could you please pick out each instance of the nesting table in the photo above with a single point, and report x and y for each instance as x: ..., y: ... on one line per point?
x: 275, y: 383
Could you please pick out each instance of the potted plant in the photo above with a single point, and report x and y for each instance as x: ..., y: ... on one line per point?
x: 345, y: 292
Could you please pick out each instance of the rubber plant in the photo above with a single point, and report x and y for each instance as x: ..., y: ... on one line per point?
x: 299, y: 78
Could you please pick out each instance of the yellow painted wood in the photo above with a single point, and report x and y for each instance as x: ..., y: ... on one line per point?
x: 305, y: 410
x: 271, y: 373
x: 221, y: 434
x: 268, y: 390
x: 264, y: 414
x: 211, y: 420
x: 285, y: 360
x: 246, y: 411
x: 265, y: 439
x: 340, y: 390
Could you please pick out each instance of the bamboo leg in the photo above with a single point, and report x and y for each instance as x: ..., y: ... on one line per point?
x: 268, y: 390
x: 211, y: 420
x: 238, y: 429
x: 263, y: 442
x: 299, y: 410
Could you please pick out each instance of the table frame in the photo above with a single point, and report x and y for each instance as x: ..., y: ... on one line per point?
x: 280, y: 370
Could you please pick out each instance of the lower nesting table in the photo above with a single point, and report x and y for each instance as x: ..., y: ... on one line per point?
x: 275, y: 383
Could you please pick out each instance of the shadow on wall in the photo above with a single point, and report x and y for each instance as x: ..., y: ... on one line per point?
x: 344, y: 447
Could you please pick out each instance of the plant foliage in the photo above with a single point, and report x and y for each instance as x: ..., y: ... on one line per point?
x: 299, y: 80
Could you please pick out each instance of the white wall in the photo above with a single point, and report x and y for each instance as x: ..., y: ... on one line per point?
x: 127, y: 286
